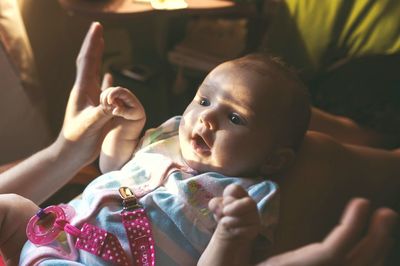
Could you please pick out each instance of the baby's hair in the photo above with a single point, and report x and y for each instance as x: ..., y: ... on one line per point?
x: 297, y: 120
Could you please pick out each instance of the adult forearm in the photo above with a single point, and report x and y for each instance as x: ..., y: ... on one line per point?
x: 42, y: 174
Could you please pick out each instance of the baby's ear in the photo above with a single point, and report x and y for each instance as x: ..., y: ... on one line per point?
x: 278, y: 161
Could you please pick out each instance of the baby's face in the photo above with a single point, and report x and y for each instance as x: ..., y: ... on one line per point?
x: 229, y: 125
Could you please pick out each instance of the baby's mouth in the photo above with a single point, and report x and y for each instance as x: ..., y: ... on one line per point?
x: 200, y: 145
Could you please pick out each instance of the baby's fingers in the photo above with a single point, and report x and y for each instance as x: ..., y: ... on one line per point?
x: 104, y: 103
x: 240, y: 207
x: 231, y: 222
x: 121, y: 97
x: 122, y: 112
x: 239, y: 226
x: 235, y: 191
x: 216, y: 206
x: 241, y: 215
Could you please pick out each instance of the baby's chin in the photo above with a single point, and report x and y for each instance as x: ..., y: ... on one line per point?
x: 203, y: 168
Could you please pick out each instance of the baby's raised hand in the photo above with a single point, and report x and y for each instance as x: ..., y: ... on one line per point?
x: 127, y: 122
x: 121, y: 102
x: 236, y: 214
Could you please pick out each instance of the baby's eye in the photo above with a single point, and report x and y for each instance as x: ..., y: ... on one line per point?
x: 236, y: 119
x: 204, y: 102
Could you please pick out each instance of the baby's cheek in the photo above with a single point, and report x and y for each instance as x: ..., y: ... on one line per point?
x: 189, y: 116
x: 235, y: 162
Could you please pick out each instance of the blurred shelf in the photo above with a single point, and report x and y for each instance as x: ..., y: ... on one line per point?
x: 109, y: 9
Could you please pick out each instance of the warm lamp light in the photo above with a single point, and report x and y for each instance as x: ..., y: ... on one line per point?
x: 168, y: 4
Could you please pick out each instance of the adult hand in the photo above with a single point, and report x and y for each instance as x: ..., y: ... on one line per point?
x: 347, y: 244
x: 79, y: 142
x: 85, y: 121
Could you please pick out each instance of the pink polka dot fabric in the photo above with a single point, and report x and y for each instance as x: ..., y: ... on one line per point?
x: 101, y: 243
x: 140, y: 237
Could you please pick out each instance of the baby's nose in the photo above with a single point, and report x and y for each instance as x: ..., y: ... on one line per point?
x: 209, y: 119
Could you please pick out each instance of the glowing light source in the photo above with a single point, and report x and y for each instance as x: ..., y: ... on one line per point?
x: 168, y: 4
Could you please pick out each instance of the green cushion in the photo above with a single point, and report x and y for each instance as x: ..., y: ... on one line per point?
x: 313, y: 34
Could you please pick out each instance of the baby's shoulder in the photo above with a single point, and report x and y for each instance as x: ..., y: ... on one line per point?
x: 166, y: 130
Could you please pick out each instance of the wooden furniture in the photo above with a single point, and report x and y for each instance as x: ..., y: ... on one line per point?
x: 108, y: 9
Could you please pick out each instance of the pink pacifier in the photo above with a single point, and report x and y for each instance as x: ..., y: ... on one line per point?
x: 43, y: 228
x: 46, y: 226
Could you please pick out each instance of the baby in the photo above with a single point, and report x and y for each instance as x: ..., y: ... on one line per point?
x: 244, y: 125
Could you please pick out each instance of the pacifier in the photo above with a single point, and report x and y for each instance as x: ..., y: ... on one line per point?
x: 44, y: 228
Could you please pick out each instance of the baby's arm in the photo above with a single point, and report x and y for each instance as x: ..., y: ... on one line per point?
x: 238, y: 225
x: 127, y: 124
x: 15, y: 212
